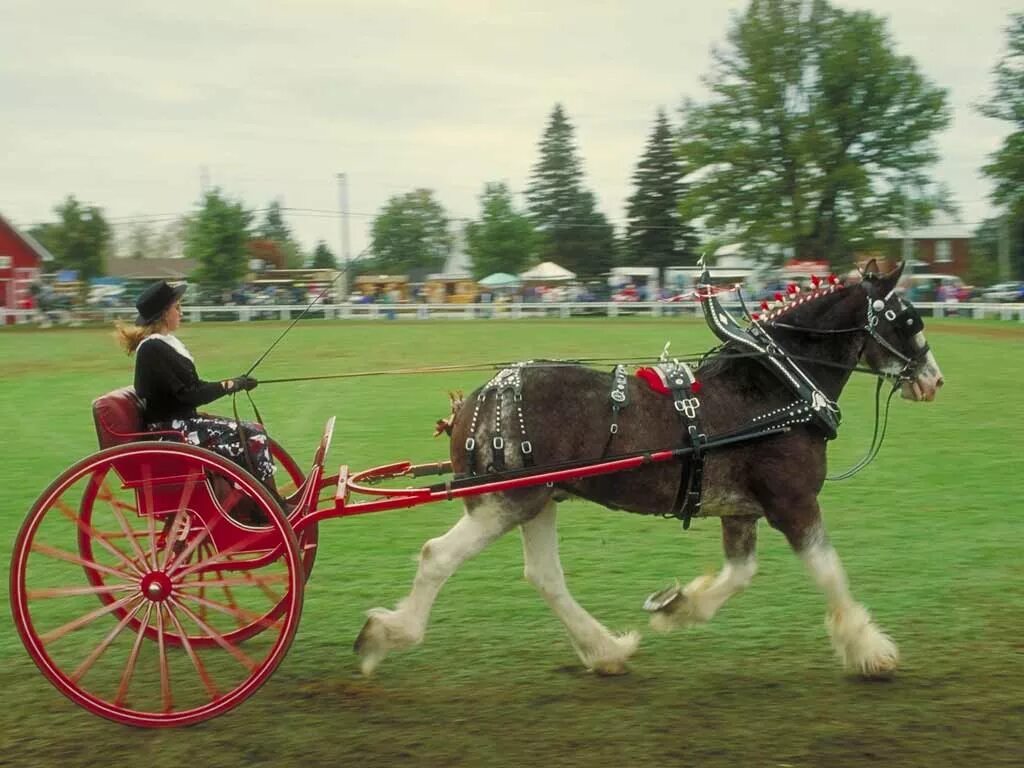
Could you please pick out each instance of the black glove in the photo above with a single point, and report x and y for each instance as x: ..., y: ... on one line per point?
x: 245, y: 382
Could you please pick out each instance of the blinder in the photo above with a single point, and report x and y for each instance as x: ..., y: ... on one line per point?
x: 895, y: 317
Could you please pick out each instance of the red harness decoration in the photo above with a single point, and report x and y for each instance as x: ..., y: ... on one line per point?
x: 655, y: 379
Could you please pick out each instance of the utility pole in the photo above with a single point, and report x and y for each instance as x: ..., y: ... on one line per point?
x: 1004, y: 247
x: 344, y: 253
x: 908, y: 243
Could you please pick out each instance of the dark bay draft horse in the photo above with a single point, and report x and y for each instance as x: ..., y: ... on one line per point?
x: 566, y: 410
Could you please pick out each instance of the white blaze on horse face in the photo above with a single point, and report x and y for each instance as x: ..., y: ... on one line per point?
x: 926, y: 383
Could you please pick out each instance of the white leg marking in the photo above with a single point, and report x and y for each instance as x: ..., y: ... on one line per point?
x: 405, y: 626
x: 700, y: 600
x: 861, y: 646
x: 599, y: 649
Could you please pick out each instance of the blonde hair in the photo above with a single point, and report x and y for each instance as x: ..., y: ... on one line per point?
x: 130, y: 336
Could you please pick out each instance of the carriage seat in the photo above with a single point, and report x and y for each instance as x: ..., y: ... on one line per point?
x: 118, y: 418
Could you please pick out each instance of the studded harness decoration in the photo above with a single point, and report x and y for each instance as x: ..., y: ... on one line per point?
x: 507, y: 380
x: 825, y: 412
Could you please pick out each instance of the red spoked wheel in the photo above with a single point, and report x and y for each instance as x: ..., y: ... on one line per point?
x: 181, y: 587
x: 99, y: 524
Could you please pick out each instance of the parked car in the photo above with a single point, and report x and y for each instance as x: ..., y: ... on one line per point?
x: 1013, y: 291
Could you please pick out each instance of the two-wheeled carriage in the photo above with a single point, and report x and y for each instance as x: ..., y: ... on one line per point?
x: 156, y: 583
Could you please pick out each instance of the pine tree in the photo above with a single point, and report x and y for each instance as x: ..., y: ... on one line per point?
x: 656, y: 233
x: 322, y: 257
x: 573, y: 232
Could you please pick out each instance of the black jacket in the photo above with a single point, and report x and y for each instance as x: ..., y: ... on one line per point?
x: 169, y: 384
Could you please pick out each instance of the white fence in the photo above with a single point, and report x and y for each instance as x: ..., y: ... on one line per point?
x: 196, y: 314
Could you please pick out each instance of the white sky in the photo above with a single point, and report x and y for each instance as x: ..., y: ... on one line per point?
x: 122, y: 103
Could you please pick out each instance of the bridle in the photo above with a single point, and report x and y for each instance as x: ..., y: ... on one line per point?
x: 890, y: 312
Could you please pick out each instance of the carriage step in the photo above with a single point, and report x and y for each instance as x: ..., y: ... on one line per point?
x: 341, y: 493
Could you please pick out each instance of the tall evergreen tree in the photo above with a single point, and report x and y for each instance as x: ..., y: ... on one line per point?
x: 276, y: 229
x: 656, y: 233
x: 573, y: 232
x: 815, y: 131
x: 322, y: 257
x: 1006, y: 164
x: 502, y: 240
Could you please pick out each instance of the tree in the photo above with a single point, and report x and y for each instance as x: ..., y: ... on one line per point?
x: 656, y: 233
x: 275, y: 229
x: 502, y: 240
x: 322, y: 257
x: 140, y: 240
x: 573, y: 232
x: 80, y: 238
x: 815, y: 132
x: 1006, y: 165
x: 217, y: 238
x: 411, y: 232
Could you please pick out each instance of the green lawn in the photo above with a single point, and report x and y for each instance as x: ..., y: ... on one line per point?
x: 930, y: 534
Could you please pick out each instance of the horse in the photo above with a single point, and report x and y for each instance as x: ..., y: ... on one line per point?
x: 777, y: 477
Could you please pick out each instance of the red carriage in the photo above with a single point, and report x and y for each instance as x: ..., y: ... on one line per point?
x: 159, y: 584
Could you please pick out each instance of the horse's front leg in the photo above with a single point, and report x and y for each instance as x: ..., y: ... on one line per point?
x: 699, y: 600
x: 860, y: 645
x: 599, y: 649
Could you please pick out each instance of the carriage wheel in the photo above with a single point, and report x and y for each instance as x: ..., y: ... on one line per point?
x: 100, y: 493
x: 163, y: 646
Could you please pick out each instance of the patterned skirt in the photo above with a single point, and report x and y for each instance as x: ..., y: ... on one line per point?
x: 221, y: 435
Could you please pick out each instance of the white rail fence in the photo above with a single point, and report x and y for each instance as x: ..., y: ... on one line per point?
x: 196, y: 314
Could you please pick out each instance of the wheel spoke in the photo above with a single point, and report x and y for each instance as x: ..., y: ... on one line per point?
x: 60, y: 554
x: 244, y: 581
x: 98, y: 651
x: 128, y: 531
x: 133, y: 657
x: 179, y: 516
x: 165, y: 673
x: 200, y: 668
x: 236, y: 652
x: 242, y: 615
x: 183, y: 556
x: 103, y: 589
x: 81, y: 621
x: 100, y: 538
x: 220, y: 557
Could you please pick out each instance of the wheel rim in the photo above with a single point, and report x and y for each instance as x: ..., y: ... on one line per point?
x: 132, y: 658
x: 99, y: 492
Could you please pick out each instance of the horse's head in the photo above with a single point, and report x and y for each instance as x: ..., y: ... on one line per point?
x: 895, y: 336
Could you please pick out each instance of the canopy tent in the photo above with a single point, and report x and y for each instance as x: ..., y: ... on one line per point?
x: 548, y: 271
x: 501, y: 280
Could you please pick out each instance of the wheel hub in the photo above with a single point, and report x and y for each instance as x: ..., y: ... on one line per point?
x: 156, y: 586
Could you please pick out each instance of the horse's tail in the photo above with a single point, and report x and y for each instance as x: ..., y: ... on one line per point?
x: 456, y: 399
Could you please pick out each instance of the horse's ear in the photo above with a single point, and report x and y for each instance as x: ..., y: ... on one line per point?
x: 870, y: 269
x: 894, y: 274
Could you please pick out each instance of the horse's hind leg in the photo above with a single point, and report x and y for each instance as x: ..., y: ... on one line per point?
x: 700, y: 600
x: 598, y: 649
x: 440, y: 557
x: 859, y: 643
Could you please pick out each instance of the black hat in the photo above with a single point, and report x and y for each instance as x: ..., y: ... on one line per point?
x: 154, y: 301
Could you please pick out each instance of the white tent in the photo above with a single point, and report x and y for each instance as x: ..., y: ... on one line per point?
x: 548, y: 271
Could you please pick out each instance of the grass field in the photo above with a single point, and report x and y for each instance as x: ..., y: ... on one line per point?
x: 931, y: 535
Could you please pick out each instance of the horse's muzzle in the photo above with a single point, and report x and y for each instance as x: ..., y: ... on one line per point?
x: 926, y: 382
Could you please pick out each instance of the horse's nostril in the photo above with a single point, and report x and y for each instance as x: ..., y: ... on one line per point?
x: 939, y: 383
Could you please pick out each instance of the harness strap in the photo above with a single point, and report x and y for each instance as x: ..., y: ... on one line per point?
x: 619, y: 396
x: 680, y: 380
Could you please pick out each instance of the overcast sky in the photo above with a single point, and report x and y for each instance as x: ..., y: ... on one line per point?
x: 122, y: 104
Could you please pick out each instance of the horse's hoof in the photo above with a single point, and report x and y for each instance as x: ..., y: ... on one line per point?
x: 661, y: 600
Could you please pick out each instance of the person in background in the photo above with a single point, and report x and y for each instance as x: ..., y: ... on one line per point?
x: 168, y: 383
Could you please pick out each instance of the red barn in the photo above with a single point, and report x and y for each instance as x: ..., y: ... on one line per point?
x: 21, y: 263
